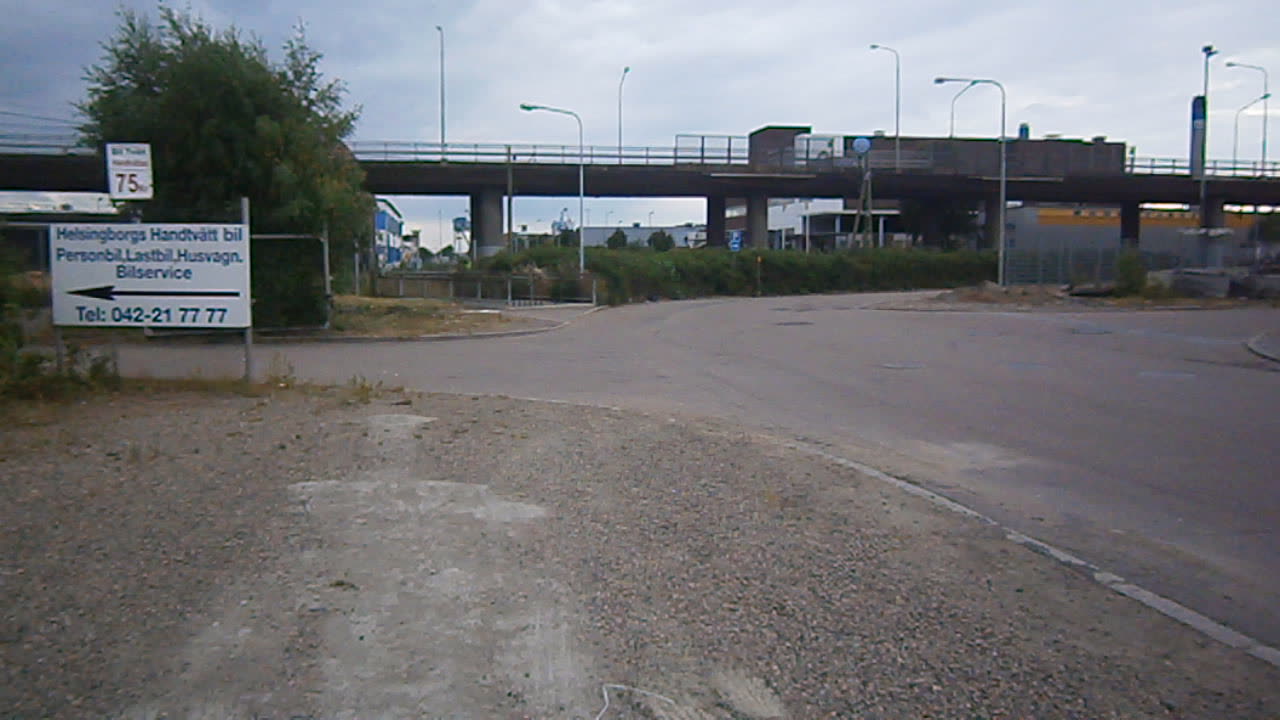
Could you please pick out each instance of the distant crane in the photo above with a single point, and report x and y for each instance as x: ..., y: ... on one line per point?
x: 563, y: 224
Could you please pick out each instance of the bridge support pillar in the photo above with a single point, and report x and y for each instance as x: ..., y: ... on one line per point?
x: 486, y: 222
x: 1212, y: 248
x: 990, y: 221
x: 758, y: 220
x: 1211, y: 213
x: 715, y: 221
x: 931, y: 224
x: 1130, y: 225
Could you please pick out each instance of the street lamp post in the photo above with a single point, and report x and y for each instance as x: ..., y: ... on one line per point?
x: 1209, y: 52
x: 963, y: 90
x: 441, y: 31
x: 581, y: 179
x: 1235, y: 130
x: 621, y: 80
x: 650, y: 218
x: 897, y: 106
x: 1003, y: 164
x: 1266, y: 94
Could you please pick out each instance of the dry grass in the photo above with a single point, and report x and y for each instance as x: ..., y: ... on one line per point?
x: 393, y: 317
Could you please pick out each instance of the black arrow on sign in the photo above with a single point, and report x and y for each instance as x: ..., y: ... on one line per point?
x: 109, y: 292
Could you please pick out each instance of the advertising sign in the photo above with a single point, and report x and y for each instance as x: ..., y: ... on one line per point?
x: 129, y: 171
x: 1198, y: 114
x: 150, y: 275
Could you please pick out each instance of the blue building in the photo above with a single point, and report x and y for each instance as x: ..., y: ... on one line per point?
x: 388, y: 234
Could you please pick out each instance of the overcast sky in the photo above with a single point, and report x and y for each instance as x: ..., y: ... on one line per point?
x: 1126, y: 69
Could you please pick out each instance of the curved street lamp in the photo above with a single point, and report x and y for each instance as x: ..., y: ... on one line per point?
x: 897, y: 105
x: 963, y: 90
x: 581, y: 178
x: 1003, y: 162
x: 1266, y: 94
x: 621, y: 80
x: 1235, y: 130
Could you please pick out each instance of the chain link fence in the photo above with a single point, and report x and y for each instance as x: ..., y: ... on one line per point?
x: 1061, y: 266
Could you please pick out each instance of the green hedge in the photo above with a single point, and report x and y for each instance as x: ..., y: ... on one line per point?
x: 637, y: 274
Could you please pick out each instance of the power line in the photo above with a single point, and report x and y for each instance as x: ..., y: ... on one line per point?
x: 45, y: 118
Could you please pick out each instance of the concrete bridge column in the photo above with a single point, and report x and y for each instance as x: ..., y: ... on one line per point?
x: 1130, y: 225
x: 1211, y: 213
x: 990, y: 221
x: 486, y: 222
x: 1212, y: 248
x: 931, y: 234
x: 758, y: 220
x: 715, y: 221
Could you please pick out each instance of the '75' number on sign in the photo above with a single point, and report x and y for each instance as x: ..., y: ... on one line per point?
x: 127, y: 182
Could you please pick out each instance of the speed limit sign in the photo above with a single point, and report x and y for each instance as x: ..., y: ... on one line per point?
x: 129, y: 171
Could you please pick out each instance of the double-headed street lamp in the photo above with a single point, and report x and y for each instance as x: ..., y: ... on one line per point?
x: 1266, y: 94
x: 581, y: 179
x: 1003, y: 162
x: 897, y: 105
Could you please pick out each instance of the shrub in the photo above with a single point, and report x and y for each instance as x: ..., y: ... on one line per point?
x: 1131, y: 274
x: 631, y: 274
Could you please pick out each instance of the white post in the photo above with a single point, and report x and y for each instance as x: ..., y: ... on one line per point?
x: 442, y: 143
x: 248, y: 331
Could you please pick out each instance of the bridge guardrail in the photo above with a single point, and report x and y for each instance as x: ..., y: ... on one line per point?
x: 1214, y: 168
x: 695, y: 150
x: 527, y: 153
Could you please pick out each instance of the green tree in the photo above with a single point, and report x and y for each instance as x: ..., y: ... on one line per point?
x: 617, y: 240
x: 567, y: 238
x: 661, y: 241
x: 226, y: 122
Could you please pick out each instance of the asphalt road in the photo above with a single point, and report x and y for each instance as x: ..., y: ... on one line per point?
x: 1146, y: 443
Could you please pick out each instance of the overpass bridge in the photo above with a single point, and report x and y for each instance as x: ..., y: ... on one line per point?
x: 771, y: 162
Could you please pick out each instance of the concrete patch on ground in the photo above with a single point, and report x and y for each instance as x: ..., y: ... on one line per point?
x: 432, y: 623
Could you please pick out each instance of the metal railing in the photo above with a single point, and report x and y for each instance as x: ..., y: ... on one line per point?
x: 1214, y: 168
x: 511, y: 289
x: 717, y: 152
x: 695, y: 150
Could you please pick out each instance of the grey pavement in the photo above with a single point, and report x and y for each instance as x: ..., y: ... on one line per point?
x: 1143, y: 442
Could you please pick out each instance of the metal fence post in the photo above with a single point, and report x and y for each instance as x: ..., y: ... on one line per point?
x: 508, y: 289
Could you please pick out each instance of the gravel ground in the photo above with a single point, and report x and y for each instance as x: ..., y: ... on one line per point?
x: 343, y: 553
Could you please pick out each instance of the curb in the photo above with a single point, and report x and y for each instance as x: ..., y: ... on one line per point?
x: 1165, y: 606
x: 1258, y: 346
x: 424, y: 338
x: 1172, y: 609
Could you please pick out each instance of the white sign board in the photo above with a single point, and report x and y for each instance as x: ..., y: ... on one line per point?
x: 144, y: 275
x: 129, y: 171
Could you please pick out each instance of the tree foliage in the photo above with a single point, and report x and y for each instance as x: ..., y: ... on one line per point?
x: 617, y: 240
x: 661, y: 241
x: 226, y: 122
